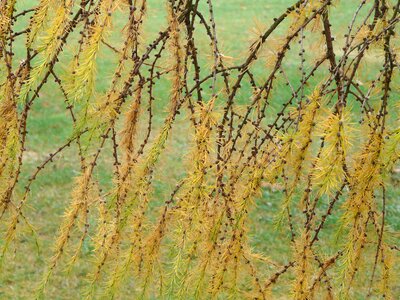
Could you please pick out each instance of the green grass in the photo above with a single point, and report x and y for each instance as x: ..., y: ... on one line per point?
x: 50, y: 125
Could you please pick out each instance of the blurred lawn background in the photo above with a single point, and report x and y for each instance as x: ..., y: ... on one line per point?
x: 50, y: 126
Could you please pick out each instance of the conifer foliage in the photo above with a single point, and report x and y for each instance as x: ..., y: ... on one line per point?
x: 330, y: 140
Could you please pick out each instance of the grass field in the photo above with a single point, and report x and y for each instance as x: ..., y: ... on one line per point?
x: 50, y: 126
